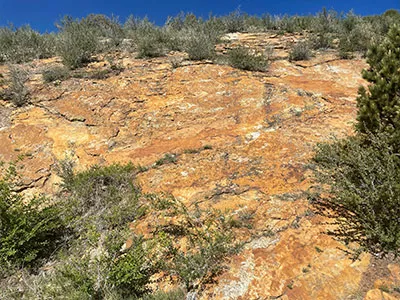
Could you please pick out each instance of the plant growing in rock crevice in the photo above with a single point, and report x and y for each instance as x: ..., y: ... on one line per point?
x: 17, y: 91
x: 243, y: 58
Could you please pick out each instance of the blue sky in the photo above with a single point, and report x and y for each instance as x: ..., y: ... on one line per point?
x: 42, y: 14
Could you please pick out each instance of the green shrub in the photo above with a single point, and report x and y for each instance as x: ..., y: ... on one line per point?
x: 76, y: 42
x: 209, y: 236
x: 234, y: 22
x: 18, y: 45
x: 107, y: 29
x: 364, y: 193
x: 106, y: 196
x: 243, y: 58
x: 199, y: 46
x: 152, y: 44
x: 359, y: 176
x: 130, y: 273
x: 300, y: 51
x: 150, y: 40
x: 55, y: 73
x: 97, y: 206
x: 17, y: 91
x: 151, y: 47
x: 177, y: 294
x: 30, y: 229
x: 205, y: 260
x: 356, y: 35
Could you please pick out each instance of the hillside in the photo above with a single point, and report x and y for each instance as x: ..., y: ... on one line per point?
x: 239, y: 140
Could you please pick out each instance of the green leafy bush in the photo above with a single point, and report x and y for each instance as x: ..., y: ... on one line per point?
x: 106, y: 196
x: 55, y: 73
x: 234, y: 22
x: 243, y: 58
x: 356, y: 35
x: 300, y: 51
x: 200, y: 46
x: 131, y: 272
x: 178, y: 294
x: 76, y: 42
x: 17, y: 91
x: 209, y: 236
x: 98, y: 262
x: 18, y: 45
x: 364, y: 193
x: 149, y: 40
x: 30, y: 229
x: 107, y: 29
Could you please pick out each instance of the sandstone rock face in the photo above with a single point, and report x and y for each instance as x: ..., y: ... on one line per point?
x: 262, y: 128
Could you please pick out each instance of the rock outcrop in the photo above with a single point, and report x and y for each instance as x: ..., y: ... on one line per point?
x: 261, y: 129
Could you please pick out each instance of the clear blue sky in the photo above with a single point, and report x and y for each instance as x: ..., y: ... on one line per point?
x: 42, y: 14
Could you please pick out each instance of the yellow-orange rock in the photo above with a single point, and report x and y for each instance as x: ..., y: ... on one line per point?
x: 262, y: 128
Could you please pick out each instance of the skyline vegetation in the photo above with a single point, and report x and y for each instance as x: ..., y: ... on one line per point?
x: 76, y: 40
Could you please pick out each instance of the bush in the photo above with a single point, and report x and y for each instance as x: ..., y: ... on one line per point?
x: 101, y: 197
x: 55, y: 73
x: 18, y: 92
x: 300, y: 51
x: 243, y: 58
x: 364, y: 194
x: 131, y: 272
x: 208, y: 234
x: 100, y: 261
x: 30, y: 229
x: 234, y: 22
x: 18, y: 45
x: 108, y: 30
x: 199, y: 46
x: 150, y: 40
x: 152, y: 44
x: 76, y: 42
x: 356, y: 35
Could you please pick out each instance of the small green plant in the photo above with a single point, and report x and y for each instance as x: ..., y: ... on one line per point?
x: 245, y: 59
x: 166, y: 159
x: 55, y: 73
x: 384, y: 288
x: 107, y: 195
x: 100, y: 74
x: 300, y: 51
x: 318, y: 249
x: 198, y: 150
x: 191, y: 151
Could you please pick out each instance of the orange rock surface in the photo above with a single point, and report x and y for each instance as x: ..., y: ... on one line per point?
x: 262, y: 128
